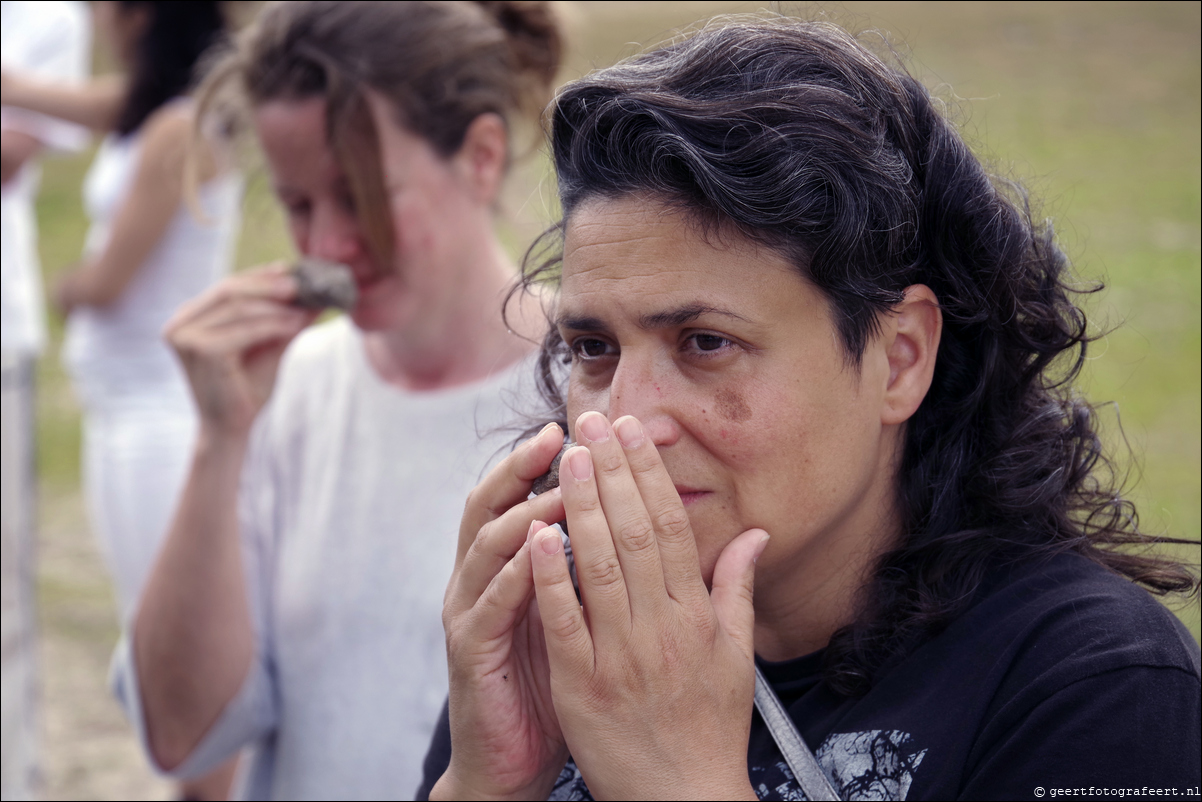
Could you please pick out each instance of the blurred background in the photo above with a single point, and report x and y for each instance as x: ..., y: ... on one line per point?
x: 1094, y: 107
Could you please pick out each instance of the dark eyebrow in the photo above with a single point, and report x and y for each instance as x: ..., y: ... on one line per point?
x: 580, y: 324
x: 667, y: 319
x: 685, y: 314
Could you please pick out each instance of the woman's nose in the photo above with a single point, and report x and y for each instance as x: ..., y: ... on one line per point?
x: 335, y: 235
x: 645, y: 390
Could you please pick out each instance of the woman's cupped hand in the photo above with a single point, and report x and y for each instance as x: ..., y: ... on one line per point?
x: 646, y: 678
x: 505, y: 735
x: 230, y: 340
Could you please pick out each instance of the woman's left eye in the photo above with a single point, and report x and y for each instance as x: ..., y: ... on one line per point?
x: 707, y: 343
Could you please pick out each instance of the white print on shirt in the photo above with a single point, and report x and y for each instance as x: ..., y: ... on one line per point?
x: 872, y: 765
x: 878, y: 764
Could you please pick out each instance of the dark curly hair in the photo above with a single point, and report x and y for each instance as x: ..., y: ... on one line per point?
x: 800, y: 138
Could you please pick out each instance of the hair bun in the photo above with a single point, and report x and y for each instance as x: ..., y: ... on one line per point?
x: 534, y: 35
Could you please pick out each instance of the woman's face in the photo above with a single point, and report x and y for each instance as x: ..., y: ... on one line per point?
x: 431, y: 211
x: 731, y: 361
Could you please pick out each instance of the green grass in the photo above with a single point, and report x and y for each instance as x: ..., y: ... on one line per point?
x: 1094, y: 106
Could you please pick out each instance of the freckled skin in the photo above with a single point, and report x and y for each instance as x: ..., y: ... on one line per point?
x: 797, y: 445
x: 732, y: 406
x: 425, y: 191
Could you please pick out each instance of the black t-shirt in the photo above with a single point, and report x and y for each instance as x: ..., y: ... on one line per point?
x: 1064, y: 679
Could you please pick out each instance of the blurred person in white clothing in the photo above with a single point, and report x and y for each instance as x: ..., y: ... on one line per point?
x: 296, y: 605
x: 52, y: 40
x: 146, y: 253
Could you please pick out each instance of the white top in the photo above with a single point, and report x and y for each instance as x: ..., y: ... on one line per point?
x: 50, y: 40
x: 120, y: 347
x: 351, y: 500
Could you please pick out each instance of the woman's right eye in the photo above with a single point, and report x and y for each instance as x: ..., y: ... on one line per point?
x: 587, y: 348
x: 297, y: 209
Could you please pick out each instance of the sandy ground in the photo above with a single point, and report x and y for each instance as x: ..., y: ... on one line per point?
x: 89, y: 751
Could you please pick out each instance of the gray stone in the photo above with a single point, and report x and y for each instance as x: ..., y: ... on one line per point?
x: 321, y: 284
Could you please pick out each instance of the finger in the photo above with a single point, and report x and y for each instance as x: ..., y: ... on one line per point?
x: 230, y: 341
x: 503, y: 601
x: 203, y: 332
x: 734, y: 582
x: 276, y: 268
x: 270, y: 282
x: 245, y: 308
x: 569, y: 644
x: 676, y: 545
x: 497, y: 542
x: 602, y: 584
x: 630, y: 525
x: 508, y: 484
x: 266, y: 272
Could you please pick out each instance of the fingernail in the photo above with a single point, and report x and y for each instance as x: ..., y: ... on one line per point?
x: 548, y: 426
x: 549, y: 541
x: 534, y: 527
x: 759, y: 549
x: 580, y: 463
x: 630, y: 432
x: 594, y: 427
x: 530, y: 443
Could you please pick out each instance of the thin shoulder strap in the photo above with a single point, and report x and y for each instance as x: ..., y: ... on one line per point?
x: 801, y: 760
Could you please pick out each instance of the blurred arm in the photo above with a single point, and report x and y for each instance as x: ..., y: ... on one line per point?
x: 16, y: 148
x: 194, y: 639
x: 193, y: 643
x: 94, y: 104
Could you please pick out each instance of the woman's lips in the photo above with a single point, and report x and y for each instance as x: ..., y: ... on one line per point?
x: 369, y: 284
x: 366, y: 282
x: 689, y: 495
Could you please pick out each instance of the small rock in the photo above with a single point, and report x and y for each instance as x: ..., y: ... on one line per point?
x: 321, y: 284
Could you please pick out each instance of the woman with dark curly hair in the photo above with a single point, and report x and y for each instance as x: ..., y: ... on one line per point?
x: 820, y: 382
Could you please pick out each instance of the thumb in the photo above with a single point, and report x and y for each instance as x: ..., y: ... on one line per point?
x: 734, y: 579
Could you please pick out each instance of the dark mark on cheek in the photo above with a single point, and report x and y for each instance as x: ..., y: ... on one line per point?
x: 732, y: 406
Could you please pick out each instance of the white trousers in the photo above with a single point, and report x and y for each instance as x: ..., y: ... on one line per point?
x: 137, y: 447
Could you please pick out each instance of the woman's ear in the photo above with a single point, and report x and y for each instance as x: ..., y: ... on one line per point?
x: 484, y: 156
x: 915, y: 327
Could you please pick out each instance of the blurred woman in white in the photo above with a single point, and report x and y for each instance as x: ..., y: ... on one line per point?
x: 296, y: 604
x: 146, y: 253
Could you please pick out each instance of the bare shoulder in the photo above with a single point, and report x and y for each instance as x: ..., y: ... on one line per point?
x: 170, y: 119
x: 168, y: 141
x: 165, y: 137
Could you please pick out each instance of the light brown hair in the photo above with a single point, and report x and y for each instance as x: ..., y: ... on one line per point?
x: 440, y: 64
